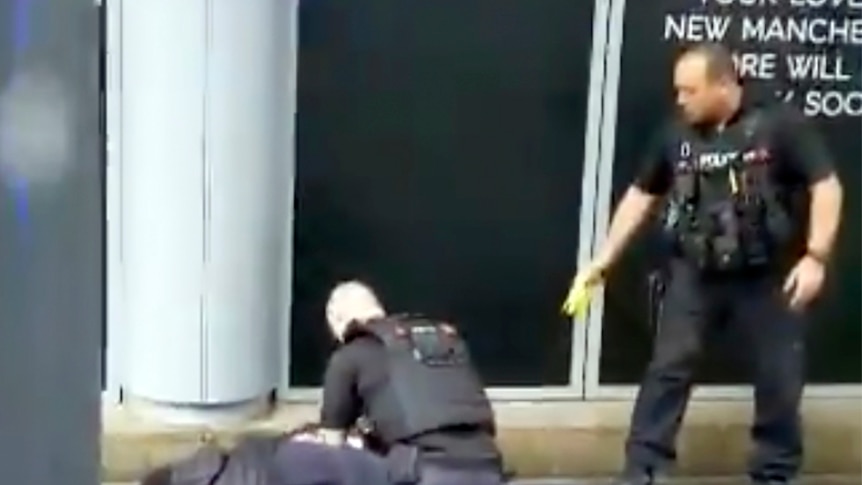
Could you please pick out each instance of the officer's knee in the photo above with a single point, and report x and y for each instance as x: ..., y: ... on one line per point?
x: 674, y: 360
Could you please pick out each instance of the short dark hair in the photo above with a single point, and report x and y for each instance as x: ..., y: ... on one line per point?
x: 719, y: 60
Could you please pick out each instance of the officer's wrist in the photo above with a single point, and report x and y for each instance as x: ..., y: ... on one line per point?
x: 821, y: 257
x: 599, y: 270
x: 602, y: 264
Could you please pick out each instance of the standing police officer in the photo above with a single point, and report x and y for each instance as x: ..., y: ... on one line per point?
x: 737, y: 176
x: 412, y: 379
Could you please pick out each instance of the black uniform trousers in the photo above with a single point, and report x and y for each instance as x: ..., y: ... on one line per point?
x: 772, y: 343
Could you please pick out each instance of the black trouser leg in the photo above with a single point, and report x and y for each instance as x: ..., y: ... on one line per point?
x: 664, y: 392
x: 777, y: 342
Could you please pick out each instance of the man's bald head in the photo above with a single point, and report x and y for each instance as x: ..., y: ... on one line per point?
x: 718, y: 62
x: 706, y: 83
x: 349, y: 302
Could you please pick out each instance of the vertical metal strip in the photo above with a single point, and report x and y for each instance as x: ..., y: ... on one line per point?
x: 604, y: 182
x: 112, y: 51
x: 292, y: 78
x: 206, y: 205
x: 601, y: 17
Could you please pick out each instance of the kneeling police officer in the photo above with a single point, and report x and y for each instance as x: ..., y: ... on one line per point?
x: 412, y: 380
x: 740, y: 180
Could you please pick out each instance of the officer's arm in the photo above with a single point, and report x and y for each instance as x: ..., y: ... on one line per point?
x: 826, y: 200
x: 639, y: 201
x: 633, y: 210
x: 806, y: 150
x: 341, y: 405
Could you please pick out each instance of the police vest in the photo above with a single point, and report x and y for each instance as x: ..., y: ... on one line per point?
x: 432, y: 384
x: 726, y: 212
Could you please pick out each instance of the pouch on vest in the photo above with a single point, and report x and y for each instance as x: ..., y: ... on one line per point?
x: 688, y: 229
x: 431, y: 382
x: 765, y: 222
x: 725, y: 244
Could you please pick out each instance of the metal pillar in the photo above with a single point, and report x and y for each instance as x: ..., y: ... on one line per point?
x: 51, y: 220
x: 203, y: 174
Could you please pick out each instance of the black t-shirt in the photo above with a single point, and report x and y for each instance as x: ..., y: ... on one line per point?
x: 358, y: 368
x: 801, y: 157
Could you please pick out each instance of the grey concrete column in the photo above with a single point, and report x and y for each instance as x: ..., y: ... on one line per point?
x: 203, y: 173
x: 51, y: 219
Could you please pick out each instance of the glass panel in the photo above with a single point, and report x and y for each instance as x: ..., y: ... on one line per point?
x: 440, y: 149
x: 652, y: 29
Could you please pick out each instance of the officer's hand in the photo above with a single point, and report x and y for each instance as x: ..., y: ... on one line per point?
x: 578, y: 300
x: 804, y: 283
x: 308, y: 437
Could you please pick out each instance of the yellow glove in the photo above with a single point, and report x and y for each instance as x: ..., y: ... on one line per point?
x: 578, y: 300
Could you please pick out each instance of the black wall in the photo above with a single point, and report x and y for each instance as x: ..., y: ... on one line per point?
x: 439, y: 152
x: 645, y: 97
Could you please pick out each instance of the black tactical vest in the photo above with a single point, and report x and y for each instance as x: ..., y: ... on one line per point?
x: 726, y: 212
x: 431, y: 383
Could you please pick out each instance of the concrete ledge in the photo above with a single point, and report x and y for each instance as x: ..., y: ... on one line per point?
x: 582, y: 439
x: 223, y: 415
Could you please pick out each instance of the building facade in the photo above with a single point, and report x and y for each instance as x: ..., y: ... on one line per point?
x: 462, y: 157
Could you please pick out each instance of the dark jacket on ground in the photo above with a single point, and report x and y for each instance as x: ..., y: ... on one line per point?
x: 274, y: 461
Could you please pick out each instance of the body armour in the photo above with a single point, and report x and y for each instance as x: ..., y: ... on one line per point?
x: 431, y: 385
x: 726, y: 212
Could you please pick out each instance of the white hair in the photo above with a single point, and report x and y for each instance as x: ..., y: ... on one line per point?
x: 351, y: 301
